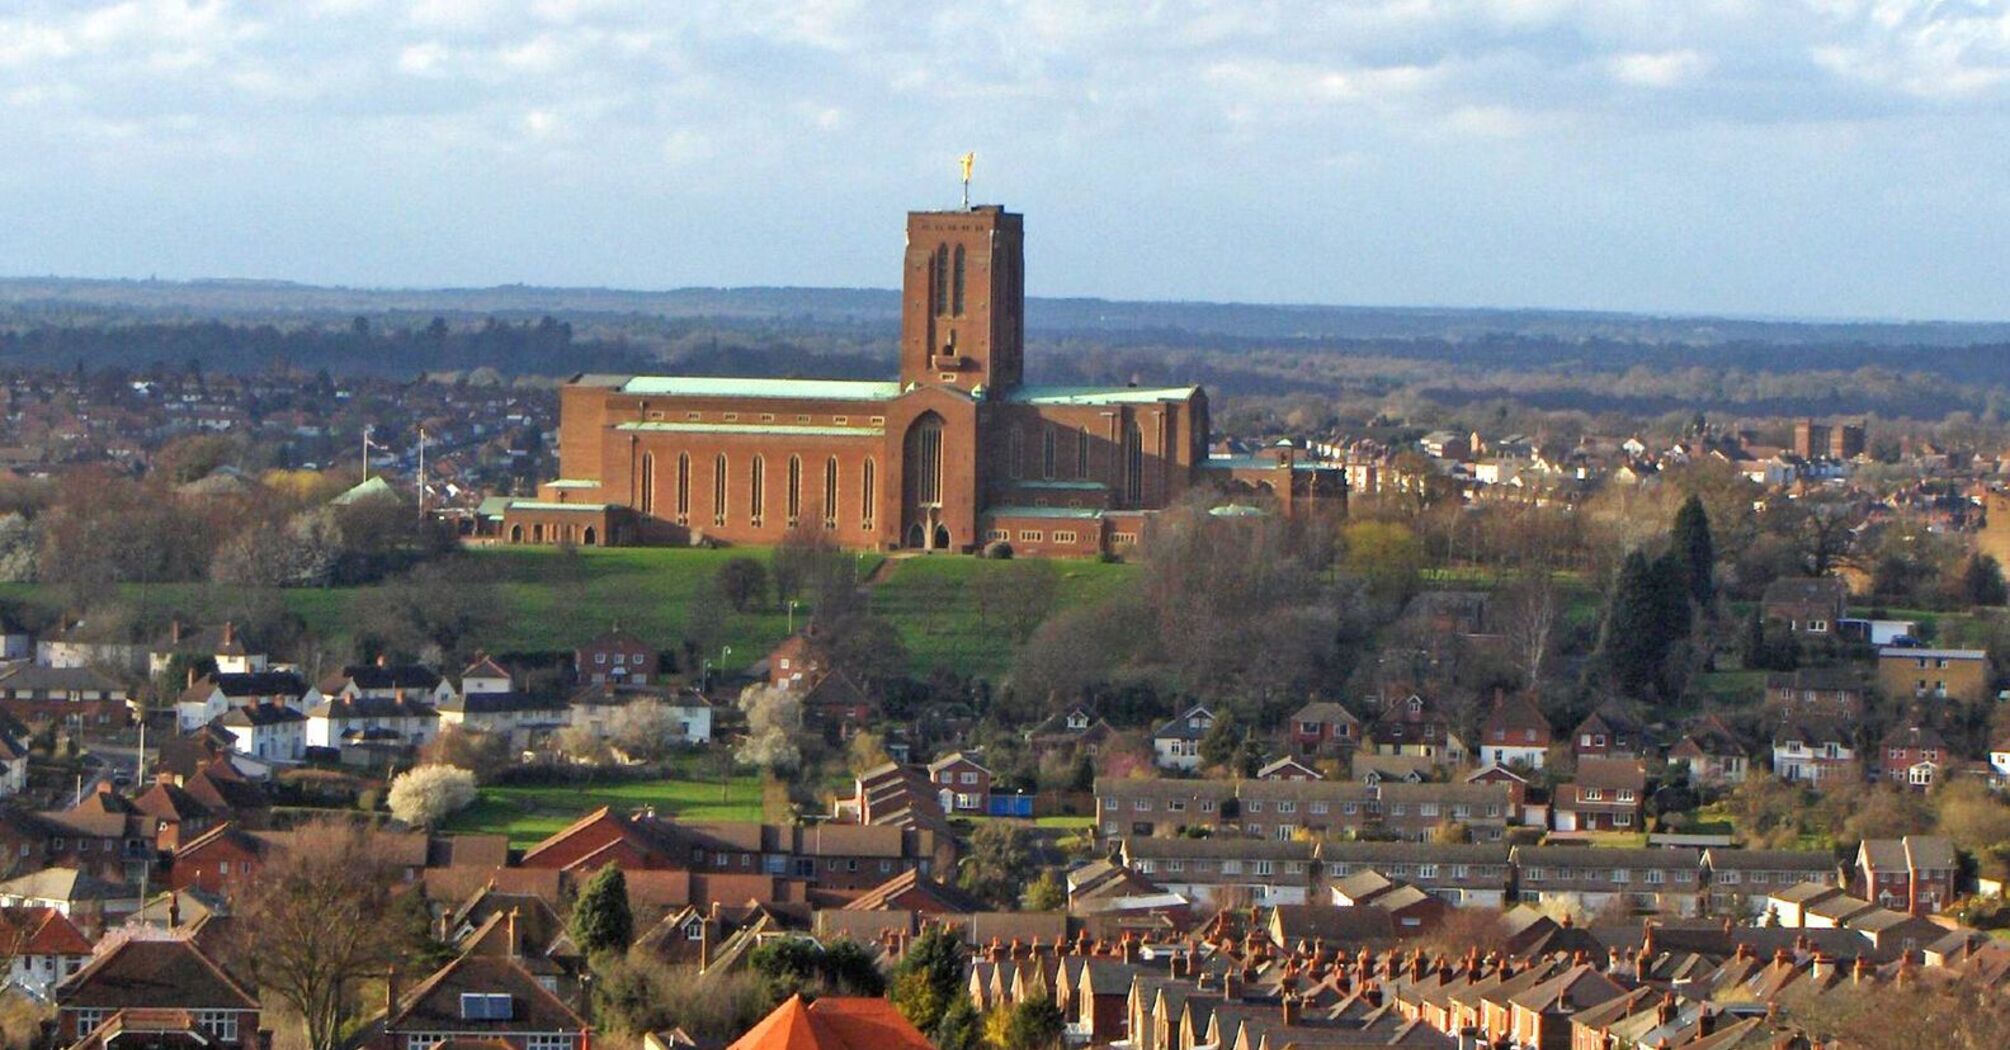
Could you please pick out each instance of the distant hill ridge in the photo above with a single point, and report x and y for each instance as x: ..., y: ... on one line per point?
x: 52, y: 299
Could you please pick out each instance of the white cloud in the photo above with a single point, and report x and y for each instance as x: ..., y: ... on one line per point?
x: 1663, y: 69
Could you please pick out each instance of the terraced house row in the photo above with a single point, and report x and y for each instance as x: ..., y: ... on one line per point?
x: 1673, y: 881
x: 1287, y: 809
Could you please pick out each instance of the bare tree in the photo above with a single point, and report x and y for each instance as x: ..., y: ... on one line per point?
x: 1530, y: 608
x: 321, y: 919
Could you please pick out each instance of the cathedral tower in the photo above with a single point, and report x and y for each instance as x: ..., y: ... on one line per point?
x: 963, y: 299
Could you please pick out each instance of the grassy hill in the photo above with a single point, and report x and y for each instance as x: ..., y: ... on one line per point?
x: 555, y: 600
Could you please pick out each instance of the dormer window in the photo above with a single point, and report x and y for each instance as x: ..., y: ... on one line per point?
x: 1416, y: 705
x: 694, y: 930
x: 485, y: 1006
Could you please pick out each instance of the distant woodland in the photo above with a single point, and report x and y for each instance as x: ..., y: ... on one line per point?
x: 1354, y: 363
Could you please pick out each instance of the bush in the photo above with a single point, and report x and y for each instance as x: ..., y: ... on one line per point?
x: 998, y: 549
x: 426, y: 795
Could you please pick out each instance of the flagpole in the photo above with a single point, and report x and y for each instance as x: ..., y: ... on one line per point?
x: 422, y: 473
x: 366, y: 453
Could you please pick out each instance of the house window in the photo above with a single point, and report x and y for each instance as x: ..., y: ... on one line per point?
x: 88, y: 1020
x: 1029, y: 535
x: 220, y: 1024
x: 1262, y: 867
x: 485, y: 1006
x: 1110, y: 803
x: 1064, y: 537
x: 548, y: 1041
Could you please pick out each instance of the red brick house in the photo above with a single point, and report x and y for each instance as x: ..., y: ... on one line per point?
x: 794, y: 664
x: 1916, y: 873
x: 486, y: 1000
x: 167, y: 993
x: 961, y: 785
x: 1324, y: 729
x: 1809, y: 606
x: 1415, y: 726
x: 227, y: 856
x: 839, y: 706
x: 1912, y: 755
x: 1608, y: 733
x: 1515, y: 733
x: 1608, y: 794
x: 616, y: 656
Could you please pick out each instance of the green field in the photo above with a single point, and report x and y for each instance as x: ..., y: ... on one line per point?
x: 529, y: 814
x: 934, y: 603
x: 553, y: 600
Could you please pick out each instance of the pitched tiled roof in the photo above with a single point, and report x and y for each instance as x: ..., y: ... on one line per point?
x: 435, y: 1004
x: 152, y: 974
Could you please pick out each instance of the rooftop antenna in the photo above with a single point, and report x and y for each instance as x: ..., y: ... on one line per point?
x: 969, y: 160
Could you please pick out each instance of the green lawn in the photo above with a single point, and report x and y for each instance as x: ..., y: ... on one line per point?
x: 553, y: 600
x: 1731, y: 688
x: 529, y: 814
x: 934, y: 601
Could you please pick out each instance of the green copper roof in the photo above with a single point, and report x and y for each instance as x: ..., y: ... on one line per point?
x: 798, y: 389
x: 1092, y: 395
x: 1076, y: 513
x: 1049, y: 483
x: 573, y: 483
x: 532, y: 504
x: 791, y: 429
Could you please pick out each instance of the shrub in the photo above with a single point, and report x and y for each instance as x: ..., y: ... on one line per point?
x: 426, y: 795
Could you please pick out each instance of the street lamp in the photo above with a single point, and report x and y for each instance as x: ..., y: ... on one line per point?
x: 792, y: 615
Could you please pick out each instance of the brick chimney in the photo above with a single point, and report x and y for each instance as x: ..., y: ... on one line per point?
x: 1291, y: 1005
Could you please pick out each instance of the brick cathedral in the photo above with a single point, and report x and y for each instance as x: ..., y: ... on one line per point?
x: 956, y: 453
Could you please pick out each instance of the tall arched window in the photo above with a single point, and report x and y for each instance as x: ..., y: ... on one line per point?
x: 719, y: 489
x: 939, y: 280
x: 868, y: 485
x: 683, y: 488
x: 831, y: 493
x: 649, y: 483
x: 1047, y: 453
x: 956, y: 285
x: 1134, y: 464
x: 757, y: 475
x: 1082, y: 454
x: 1015, y: 454
x: 795, y: 496
x: 924, y: 461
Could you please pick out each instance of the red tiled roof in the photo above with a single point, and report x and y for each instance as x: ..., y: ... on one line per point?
x: 833, y: 1023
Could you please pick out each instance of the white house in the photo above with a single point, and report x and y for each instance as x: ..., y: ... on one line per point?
x: 209, y: 697
x: 46, y: 947
x: 595, y: 706
x: 518, y: 716
x: 1176, y: 745
x: 387, y: 681
x: 267, y: 730
x: 1811, y: 751
x: 396, y: 720
x: 13, y: 765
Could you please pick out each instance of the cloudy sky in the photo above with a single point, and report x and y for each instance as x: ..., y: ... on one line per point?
x: 1779, y: 157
